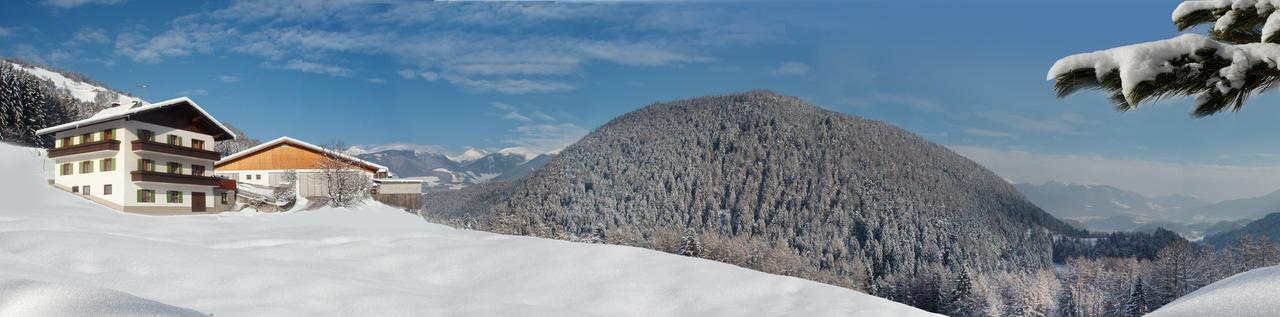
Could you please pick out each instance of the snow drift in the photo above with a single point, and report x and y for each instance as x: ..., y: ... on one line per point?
x: 60, y: 251
x: 1251, y: 293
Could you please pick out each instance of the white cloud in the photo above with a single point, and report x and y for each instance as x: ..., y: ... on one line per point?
x: 510, y: 86
x: 407, y: 73
x: 544, y: 138
x: 317, y: 68
x: 480, y: 47
x: 68, y: 4
x: 516, y: 116
x: 792, y: 69
x: 987, y: 133
x: 5, y: 32
x: 1154, y: 178
x: 228, y: 78
x: 88, y: 35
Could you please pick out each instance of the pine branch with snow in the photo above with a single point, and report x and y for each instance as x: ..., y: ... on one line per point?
x: 1237, y: 60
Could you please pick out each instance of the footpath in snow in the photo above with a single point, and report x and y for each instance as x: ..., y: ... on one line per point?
x: 66, y: 256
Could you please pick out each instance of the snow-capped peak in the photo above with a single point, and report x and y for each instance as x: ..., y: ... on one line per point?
x: 519, y: 151
x: 471, y: 154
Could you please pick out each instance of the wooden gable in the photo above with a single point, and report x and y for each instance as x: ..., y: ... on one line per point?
x: 182, y: 117
x: 283, y: 156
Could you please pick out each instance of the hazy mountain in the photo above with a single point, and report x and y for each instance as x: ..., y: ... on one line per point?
x: 1268, y: 226
x: 771, y: 183
x: 1089, y: 203
x: 1236, y: 209
x: 442, y: 172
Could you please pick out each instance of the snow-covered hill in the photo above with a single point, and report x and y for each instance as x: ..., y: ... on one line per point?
x: 441, y: 172
x: 1251, y: 293
x: 375, y: 261
x: 82, y: 91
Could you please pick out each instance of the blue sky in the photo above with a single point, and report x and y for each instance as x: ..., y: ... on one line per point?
x: 539, y: 75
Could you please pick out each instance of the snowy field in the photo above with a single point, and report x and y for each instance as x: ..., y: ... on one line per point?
x: 1252, y: 293
x: 66, y: 256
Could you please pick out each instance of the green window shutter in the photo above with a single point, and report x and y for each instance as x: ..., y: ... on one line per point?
x: 140, y: 164
x: 139, y: 195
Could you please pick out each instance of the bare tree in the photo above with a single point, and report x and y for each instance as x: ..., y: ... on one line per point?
x: 345, y: 183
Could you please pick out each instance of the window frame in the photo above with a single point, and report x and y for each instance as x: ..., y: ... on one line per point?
x: 146, y: 196
x: 107, y: 164
x: 86, y: 167
x: 107, y: 189
x: 173, y: 197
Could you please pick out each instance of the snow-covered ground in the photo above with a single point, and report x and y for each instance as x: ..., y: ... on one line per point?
x: 63, y: 255
x: 1252, y: 293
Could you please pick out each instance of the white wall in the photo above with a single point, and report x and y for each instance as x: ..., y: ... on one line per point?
x: 124, y: 190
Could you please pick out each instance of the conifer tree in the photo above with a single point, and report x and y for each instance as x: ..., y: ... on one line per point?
x: 1136, y: 306
x: 1220, y: 71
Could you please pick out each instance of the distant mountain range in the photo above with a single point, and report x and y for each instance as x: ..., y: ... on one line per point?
x: 1268, y: 226
x: 1106, y: 208
x: 442, y: 172
x: 1087, y: 202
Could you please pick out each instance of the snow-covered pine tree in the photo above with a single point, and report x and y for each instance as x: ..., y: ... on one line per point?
x: 1067, y: 306
x: 690, y: 245
x: 1237, y: 59
x: 961, y: 300
x: 1136, y: 306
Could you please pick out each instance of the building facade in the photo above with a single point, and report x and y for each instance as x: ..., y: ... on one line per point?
x: 269, y: 164
x: 143, y: 158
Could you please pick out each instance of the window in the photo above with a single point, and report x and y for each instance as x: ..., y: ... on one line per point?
x: 64, y: 142
x: 174, y: 197
x: 84, y: 190
x: 75, y: 189
x: 106, y: 189
x: 66, y: 169
x: 86, y: 138
x: 248, y: 177
x: 224, y: 198
x: 109, y: 134
x: 197, y: 170
x: 199, y: 144
x: 86, y: 167
x: 108, y: 164
x: 147, y: 135
x: 257, y: 177
x: 175, y: 168
x: 146, y: 196
x: 175, y: 140
x: 146, y: 165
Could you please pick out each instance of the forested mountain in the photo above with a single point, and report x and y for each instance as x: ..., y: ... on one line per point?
x: 33, y: 97
x: 771, y: 183
x: 1268, y: 227
x: 441, y: 172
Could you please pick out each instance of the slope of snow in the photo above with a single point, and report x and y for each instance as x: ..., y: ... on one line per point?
x: 33, y: 298
x: 527, y: 154
x: 471, y: 154
x: 80, y: 90
x: 374, y: 261
x: 1251, y: 293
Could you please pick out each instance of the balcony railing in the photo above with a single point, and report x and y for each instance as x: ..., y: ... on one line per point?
x: 103, y: 145
x: 152, y: 146
x: 158, y: 177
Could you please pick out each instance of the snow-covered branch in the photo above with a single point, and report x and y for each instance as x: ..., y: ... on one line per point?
x: 1219, y: 75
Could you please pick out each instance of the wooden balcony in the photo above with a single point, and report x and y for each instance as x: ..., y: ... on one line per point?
x: 152, y: 146
x: 104, y: 145
x: 158, y: 177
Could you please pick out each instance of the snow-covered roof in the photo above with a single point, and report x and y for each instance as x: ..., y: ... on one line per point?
x: 123, y: 111
x: 299, y: 143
